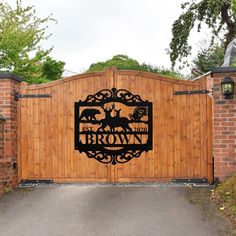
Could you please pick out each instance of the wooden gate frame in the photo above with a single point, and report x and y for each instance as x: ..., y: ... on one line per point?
x: 114, y: 77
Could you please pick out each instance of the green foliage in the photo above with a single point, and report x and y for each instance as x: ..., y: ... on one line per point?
x: 21, y: 33
x: 124, y: 62
x: 216, y: 14
x: 208, y: 58
x: 234, y: 5
x: 120, y: 61
x: 52, y: 69
x: 7, y: 189
x: 233, y: 64
x: 37, y: 80
x: 227, y: 192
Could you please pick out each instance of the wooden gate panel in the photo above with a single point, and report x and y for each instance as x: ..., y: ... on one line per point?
x: 128, y: 171
x: 47, y: 132
x: 180, y: 130
x: 182, y: 136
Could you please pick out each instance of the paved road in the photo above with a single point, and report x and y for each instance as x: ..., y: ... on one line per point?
x: 110, y: 211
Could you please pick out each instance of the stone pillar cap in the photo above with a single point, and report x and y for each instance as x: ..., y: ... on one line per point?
x: 7, y: 75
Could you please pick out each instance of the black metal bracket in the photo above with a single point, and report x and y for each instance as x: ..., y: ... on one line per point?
x: 35, y: 181
x: 190, y: 92
x: 18, y: 96
x: 14, y: 165
x: 190, y: 181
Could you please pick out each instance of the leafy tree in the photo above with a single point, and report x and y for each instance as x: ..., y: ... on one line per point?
x: 216, y: 14
x: 120, y: 61
x: 126, y: 63
x: 208, y: 58
x: 52, y: 69
x: 21, y: 33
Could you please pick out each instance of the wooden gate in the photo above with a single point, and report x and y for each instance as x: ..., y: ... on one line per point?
x: 182, y: 130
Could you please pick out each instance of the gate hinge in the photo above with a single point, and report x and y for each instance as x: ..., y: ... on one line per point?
x: 26, y: 182
x: 18, y: 96
x: 191, y: 181
x: 189, y: 92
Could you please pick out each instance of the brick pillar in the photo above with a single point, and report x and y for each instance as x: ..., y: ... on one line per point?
x: 8, y: 130
x: 224, y: 126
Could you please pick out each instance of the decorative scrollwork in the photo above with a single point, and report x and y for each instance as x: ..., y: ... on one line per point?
x: 127, y: 96
x: 100, y: 96
x: 120, y: 95
x: 128, y: 155
x: 100, y: 156
x: 121, y: 157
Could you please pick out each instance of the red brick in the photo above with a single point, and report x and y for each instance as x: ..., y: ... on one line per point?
x: 8, y: 147
x: 224, y: 129
x: 227, y: 141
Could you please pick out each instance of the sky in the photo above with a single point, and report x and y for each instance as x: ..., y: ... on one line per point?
x: 88, y: 31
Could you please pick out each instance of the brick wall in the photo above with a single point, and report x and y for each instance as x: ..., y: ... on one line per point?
x: 224, y: 128
x: 8, y: 131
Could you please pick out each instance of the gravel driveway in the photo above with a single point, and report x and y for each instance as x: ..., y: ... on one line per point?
x: 100, y: 210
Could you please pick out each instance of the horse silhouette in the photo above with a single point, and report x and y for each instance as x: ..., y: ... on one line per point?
x: 114, y: 122
x: 89, y: 114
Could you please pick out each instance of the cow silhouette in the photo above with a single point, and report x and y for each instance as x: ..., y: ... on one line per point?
x: 89, y: 114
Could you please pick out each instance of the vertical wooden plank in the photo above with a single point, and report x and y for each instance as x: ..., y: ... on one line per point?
x: 49, y: 132
x: 60, y: 161
x: 66, y: 130
x: 41, y: 126
x: 124, y: 170
x: 78, y: 164
x: 150, y: 157
x: 157, y: 128
x: 54, y: 123
x: 72, y: 99
x: 77, y: 159
x: 170, y: 137
x: 120, y: 172
x: 190, y: 121
x: 138, y: 166
x: 196, y: 135
x: 62, y: 130
x: 177, y: 133
x: 184, y: 113
x: 133, y: 164
x: 164, y: 127
x: 30, y: 156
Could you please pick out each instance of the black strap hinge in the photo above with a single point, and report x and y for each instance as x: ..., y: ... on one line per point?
x: 25, y: 182
x: 18, y: 96
x: 190, y: 181
x: 190, y: 92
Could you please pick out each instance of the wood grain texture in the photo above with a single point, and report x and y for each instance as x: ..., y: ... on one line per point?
x: 182, y: 132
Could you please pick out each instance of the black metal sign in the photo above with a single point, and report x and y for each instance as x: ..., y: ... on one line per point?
x: 113, y: 126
